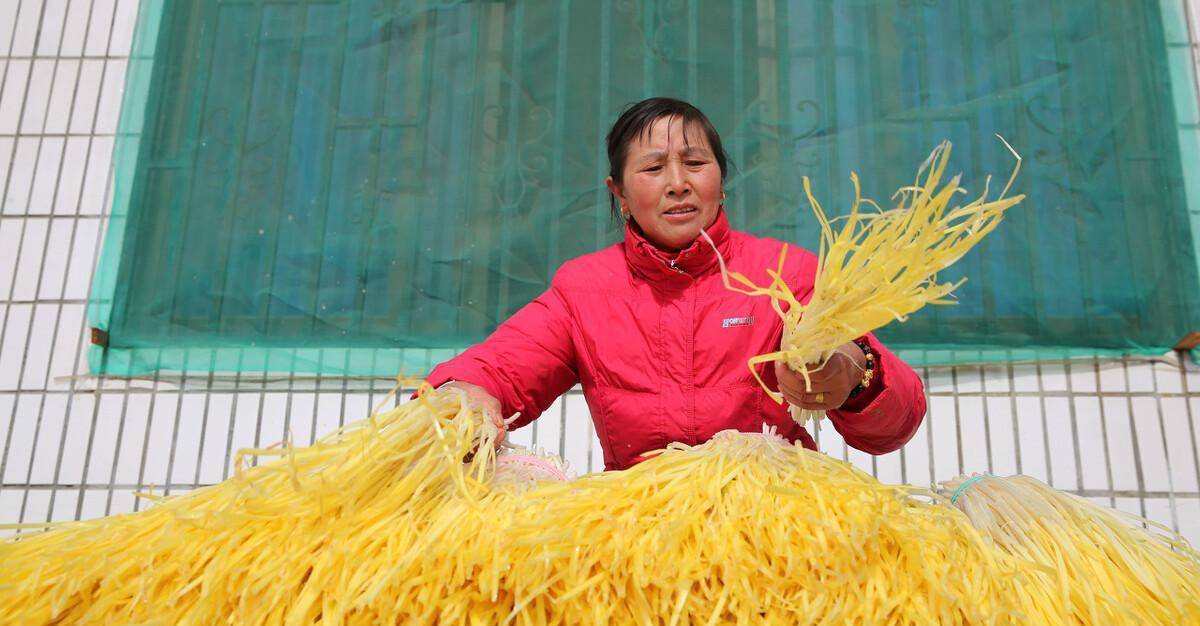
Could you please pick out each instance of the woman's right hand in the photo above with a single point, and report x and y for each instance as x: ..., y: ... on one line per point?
x: 480, y: 400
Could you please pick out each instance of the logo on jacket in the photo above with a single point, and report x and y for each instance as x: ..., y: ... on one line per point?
x: 736, y: 321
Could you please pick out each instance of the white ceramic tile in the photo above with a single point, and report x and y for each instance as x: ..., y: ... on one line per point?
x: 548, y: 430
x: 1167, y: 378
x: 45, y: 178
x: 329, y: 414
x: 1082, y: 376
x: 100, y: 463
x: 1185, y: 472
x: 20, y: 179
x: 87, y: 96
x: 1054, y: 377
x: 300, y: 426
x: 1061, y: 438
x: 74, y: 163
x: 62, y: 96
x: 67, y: 345
x: 37, y: 96
x: 1188, y: 510
x: 12, y: 346
x: 26, y: 31
x: 96, y: 198
x: 10, y: 237
x: 1092, y: 449
x: 1031, y: 438
x: 21, y: 438
x: 995, y: 378
x: 95, y: 503
x: 109, y: 105
x: 37, y: 505
x: 1001, y: 437
x: 940, y: 380
x: 245, y: 424
x: 75, y: 31
x: 521, y: 437
x: 916, y: 457
x: 1025, y: 377
x: 213, y: 464
x: 123, y: 501
x: 79, y: 428
x: 1129, y: 505
x: 272, y: 430
x: 12, y: 95
x: 1120, y: 443
x: 187, y: 440
x: 99, y: 28
x: 123, y: 26
x: 358, y: 407
x: 10, y: 509
x: 8, y: 24
x: 969, y: 379
x: 579, y: 435
x: 888, y: 468
x: 1160, y: 510
x: 29, y: 262
x: 7, y: 148
x: 942, y: 427
x: 134, y: 429
x: 861, y: 460
x: 1112, y: 377
x: 50, y: 427
x: 54, y: 18
x: 1151, y: 447
x: 7, y: 401
x: 597, y: 455
x: 64, y: 503
x: 158, y: 447
x: 1141, y: 376
x: 54, y: 265
x: 40, y: 345
x: 974, y: 436
x: 83, y: 258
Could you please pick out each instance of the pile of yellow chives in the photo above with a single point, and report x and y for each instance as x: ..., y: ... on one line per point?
x: 1099, y: 565
x: 878, y: 267
x: 384, y: 522
x: 263, y: 545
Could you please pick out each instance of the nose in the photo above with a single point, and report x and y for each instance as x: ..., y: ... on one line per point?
x: 677, y: 182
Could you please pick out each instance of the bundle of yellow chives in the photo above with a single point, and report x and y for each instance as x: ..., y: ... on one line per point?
x: 1099, y: 565
x: 383, y: 522
x: 879, y: 267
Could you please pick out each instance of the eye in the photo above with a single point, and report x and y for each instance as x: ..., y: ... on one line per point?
x: 696, y: 163
x: 653, y: 168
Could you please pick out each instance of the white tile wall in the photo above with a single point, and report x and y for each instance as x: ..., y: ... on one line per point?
x: 1123, y: 433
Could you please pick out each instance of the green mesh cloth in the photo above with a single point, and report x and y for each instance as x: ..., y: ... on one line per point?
x: 368, y: 186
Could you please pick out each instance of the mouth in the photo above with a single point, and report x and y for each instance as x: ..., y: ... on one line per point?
x: 681, y: 210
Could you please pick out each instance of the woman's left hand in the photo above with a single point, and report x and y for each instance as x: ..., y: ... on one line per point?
x: 830, y: 385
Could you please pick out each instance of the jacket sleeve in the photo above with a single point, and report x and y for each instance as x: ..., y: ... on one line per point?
x: 527, y: 363
x: 886, y: 415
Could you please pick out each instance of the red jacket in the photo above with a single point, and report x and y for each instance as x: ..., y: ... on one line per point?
x: 661, y: 348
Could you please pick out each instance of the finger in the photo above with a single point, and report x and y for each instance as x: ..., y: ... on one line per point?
x: 801, y: 391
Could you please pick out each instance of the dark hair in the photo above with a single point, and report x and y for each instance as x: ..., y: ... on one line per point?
x: 637, y: 119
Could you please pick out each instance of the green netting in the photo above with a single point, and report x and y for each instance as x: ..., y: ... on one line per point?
x: 368, y: 186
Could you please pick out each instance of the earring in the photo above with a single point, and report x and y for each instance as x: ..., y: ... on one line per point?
x: 625, y: 213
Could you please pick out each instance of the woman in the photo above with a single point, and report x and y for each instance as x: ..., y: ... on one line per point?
x: 647, y: 326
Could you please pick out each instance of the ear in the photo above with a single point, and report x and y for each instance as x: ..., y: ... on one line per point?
x: 615, y: 190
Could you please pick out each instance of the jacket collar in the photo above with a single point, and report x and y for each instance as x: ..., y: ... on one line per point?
x: 692, y: 262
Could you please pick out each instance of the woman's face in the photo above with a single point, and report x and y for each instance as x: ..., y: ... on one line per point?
x: 672, y: 184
